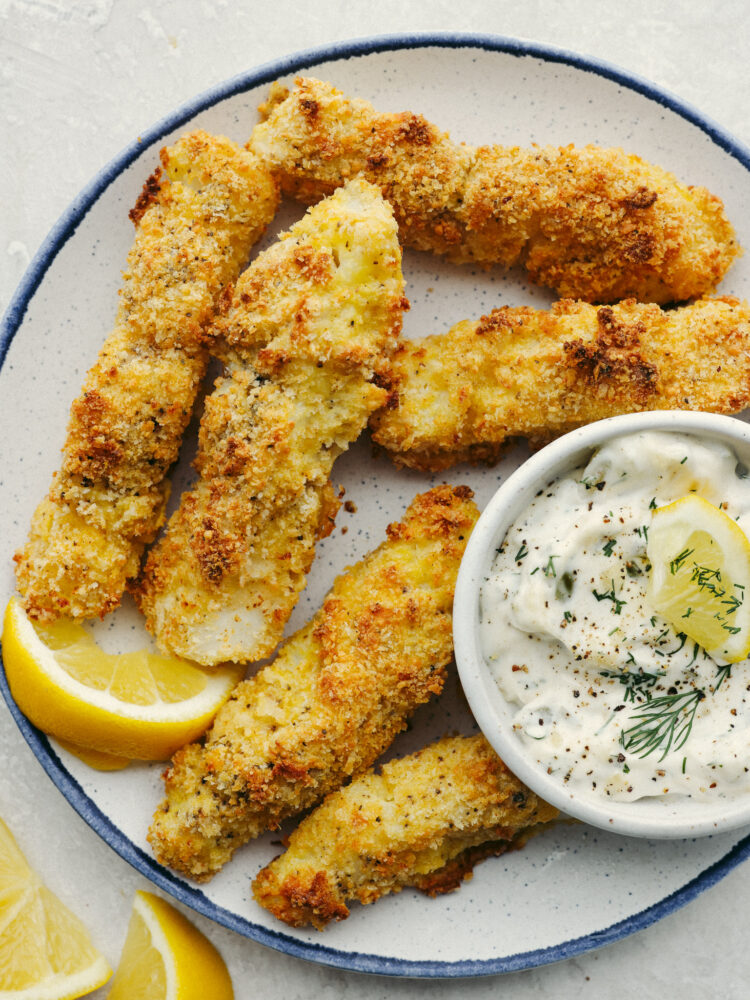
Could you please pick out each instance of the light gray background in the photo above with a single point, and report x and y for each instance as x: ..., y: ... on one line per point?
x: 78, y: 80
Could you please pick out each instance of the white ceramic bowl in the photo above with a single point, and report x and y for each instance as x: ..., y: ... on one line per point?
x: 652, y: 817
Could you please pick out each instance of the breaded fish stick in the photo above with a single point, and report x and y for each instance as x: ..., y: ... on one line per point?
x: 331, y: 702
x: 305, y: 341
x: 196, y: 220
x: 592, y: 223
x: 463, y: 395
x: 422, y: 821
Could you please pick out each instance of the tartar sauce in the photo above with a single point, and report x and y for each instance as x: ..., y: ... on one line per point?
x: 568, y: 633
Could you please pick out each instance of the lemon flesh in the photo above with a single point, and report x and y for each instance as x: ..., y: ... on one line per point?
x: 132, y: 705
x: 166, y: 958
x: 700, y: 576
x: 45, y: 951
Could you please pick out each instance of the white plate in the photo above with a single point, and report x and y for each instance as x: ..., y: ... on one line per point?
x: 572, y: 889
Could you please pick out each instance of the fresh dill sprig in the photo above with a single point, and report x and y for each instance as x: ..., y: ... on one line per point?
x: 609, y: 547
x: 662, y: 724
x: 522, y: 553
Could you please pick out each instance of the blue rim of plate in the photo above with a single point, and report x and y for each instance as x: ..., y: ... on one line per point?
x: 40, y: 745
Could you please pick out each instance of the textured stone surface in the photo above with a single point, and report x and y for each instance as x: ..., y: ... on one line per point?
x: 78, y: 79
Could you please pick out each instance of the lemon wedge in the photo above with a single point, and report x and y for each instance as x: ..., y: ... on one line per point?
x: 166, y: 958
x: 700, y: 575
x: 135, y: 705
x: 45, y: 951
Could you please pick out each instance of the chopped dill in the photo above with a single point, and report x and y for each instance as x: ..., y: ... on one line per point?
x: 637, y: 684
x: 676, y: 564
x: 682, y: 639
x: 610, y: 595
x: 591, y: 483
x: 709, y: 581
x: 549, y: 569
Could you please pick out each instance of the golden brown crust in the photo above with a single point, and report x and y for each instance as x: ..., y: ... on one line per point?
x: 423, y: 821
x: 310, y: 326
x: 196, y: 220
x: 148, y: 196
x: 592, y: 223
x: 333, y: 699
x: 520, y: 372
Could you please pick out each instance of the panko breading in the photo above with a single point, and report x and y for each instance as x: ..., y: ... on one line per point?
x: 519, y: 372
x: 331, y: 702
x: 422, y: 821
x: 592, y: 223
x: 196, y: 221
x: 305, y: 341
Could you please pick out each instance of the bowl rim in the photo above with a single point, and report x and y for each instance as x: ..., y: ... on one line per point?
x: 653, y: 818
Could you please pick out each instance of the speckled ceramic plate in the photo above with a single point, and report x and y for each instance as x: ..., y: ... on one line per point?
x: 573, y: 888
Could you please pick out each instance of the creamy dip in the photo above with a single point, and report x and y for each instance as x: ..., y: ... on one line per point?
x: 568, y: 633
